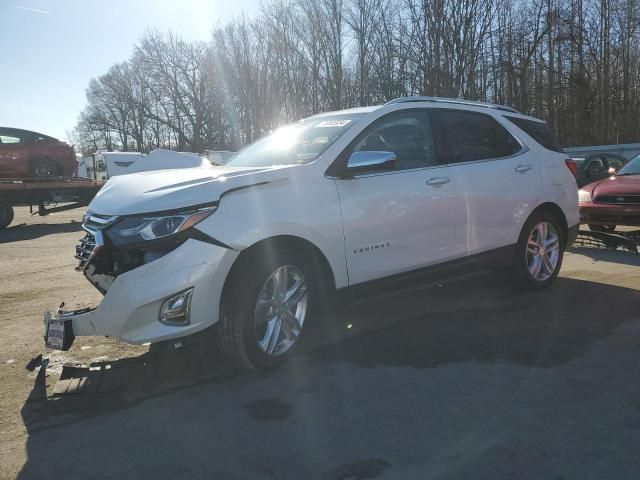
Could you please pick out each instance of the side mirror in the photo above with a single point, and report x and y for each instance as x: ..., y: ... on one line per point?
x: 612, y: 171
x: 371, y: 160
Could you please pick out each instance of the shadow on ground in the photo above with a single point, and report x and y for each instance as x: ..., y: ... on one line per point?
x: 450, y: 381
x: 33, y: 231
x: 482, y: 320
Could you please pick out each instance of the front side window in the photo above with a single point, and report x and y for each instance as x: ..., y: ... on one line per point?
x: 8, y: 137
x: 472, y: 136
x: 406, y: 134
x: 294, y: 144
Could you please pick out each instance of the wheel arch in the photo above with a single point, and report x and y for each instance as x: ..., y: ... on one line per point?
x: 557, y: 212
x: 280, y: 243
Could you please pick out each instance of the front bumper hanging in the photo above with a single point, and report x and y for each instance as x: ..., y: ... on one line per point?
x: 58, y: 330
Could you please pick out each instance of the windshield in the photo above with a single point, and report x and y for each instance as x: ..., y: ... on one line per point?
x: 631, y: 168
x: 296, y: 143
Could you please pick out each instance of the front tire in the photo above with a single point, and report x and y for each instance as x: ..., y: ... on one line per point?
x: 266, y: 304
x: 539, y: 251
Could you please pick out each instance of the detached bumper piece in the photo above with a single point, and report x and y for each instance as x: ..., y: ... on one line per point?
x: 611, y: 241
x: 58, y: 330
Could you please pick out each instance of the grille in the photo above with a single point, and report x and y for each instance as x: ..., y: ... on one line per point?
x: 93, y: 224
x: 619, y: 199
x: 85, y: 248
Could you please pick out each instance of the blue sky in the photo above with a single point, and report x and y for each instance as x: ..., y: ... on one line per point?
x: 51, y: 49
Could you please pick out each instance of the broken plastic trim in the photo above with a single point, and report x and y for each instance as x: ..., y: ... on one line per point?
x: 612, y: 241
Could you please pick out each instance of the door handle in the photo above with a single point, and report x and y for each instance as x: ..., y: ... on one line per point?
x: 437, y: 181
x: 523, y: 168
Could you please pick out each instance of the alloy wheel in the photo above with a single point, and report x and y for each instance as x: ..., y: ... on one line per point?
x: 281, y: 310
x: 543, y: 251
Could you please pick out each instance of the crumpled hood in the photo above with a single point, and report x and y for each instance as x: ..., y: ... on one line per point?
x: 623, y: 185
x: 161, y: 190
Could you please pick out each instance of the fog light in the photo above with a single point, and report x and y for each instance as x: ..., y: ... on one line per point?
x: 175, y: 310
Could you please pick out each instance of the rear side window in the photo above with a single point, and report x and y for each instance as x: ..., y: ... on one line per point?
x: 471, y: 136
x: 539, y: 131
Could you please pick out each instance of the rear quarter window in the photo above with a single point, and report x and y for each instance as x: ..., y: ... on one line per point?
x: 539, y: 131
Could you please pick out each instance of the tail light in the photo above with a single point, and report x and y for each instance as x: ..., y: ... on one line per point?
x: 572, y: 165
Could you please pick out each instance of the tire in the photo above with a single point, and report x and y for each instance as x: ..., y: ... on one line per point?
x: 242, y: 331
x: 527, y: 261
x: 44, y: 168
x: 6, y: 214
x: 603, y: 228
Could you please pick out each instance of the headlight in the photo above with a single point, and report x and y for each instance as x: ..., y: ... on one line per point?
x: 584, y: 196
x: 143, y: 228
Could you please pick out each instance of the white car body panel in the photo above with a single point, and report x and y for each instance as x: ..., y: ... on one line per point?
x: 298, y: 204
x: 129, y: 310
x: 395, y: 222
x: 494, y: 201
x: 163, y: 190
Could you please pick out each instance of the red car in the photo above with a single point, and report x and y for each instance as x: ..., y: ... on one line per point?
x: 612, y: 201
x: 25, y: 154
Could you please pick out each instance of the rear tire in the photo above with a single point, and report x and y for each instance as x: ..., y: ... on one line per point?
x: 603, y: 228
x: 6, y: 214
x: 44, y: 168
x: 539, y: 251
x: 258, y: 329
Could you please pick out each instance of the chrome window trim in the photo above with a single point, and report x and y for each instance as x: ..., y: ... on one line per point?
x: 392, y: 172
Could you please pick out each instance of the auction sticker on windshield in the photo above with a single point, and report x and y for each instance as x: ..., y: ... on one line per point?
x: 333, y: 123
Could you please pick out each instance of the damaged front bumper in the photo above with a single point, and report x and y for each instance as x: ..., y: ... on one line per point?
x: 131, y: 308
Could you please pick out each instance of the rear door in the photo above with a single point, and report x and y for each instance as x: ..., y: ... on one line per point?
x: 497, y: 179
x: 401, y: 219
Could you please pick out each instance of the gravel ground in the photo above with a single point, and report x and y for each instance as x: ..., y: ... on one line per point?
x: 465, y: 379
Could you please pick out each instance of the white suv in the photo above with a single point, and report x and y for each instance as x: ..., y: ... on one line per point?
x: 336, y: 201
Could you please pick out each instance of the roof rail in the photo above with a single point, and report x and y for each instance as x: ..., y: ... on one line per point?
x: 457, y: 101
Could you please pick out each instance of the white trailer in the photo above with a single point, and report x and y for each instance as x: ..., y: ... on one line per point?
x: 104, y: 165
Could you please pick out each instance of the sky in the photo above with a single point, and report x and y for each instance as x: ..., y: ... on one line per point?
x: 50, y: 49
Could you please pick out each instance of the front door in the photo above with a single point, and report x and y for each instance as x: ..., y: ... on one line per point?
x: 400, y: 219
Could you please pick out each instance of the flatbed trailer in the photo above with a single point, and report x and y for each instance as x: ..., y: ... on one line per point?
x: 73, y: 192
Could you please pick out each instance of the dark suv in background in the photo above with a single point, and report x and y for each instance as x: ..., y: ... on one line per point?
x: 597, y: 166
x: 25, y: 154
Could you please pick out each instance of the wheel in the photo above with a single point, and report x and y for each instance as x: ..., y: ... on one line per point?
x: 602, y: 228
x: 264, y: 309
x: 45, y: 169
x: 539, y: 251
x: 6, y: 214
